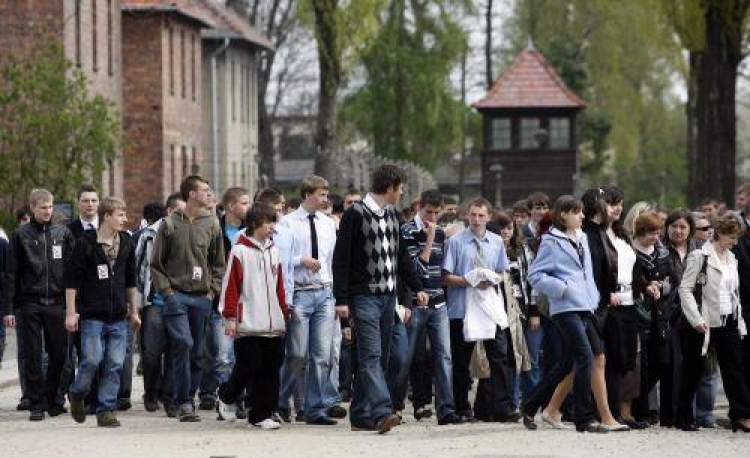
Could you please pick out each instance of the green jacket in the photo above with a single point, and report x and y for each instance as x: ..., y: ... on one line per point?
x: 188, y: 256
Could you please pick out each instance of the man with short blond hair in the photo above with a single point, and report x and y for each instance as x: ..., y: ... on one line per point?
x: 310, y: 327
x: 38, y: 253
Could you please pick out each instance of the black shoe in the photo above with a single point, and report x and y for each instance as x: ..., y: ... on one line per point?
x: 529, y: 423
x: 467, y: 416
x: 187, y: 414
x: 151, y: 405
x: 322, y: 421
x: 422, y: 412
x: 124, y: 404
x: 346, y: 396
x: 241, y: 411
x: 691, y: 428
x: 23, y: 404
x: 738, y: 426
x: 336, y: 412
x: 207, y: 403
x: 171, y: 410
x: 56, y: 410
x: 77, y: 411
x: 364, y: 426
x: 511, y: 417
x: 36, y: 415
x: 634, y: 424
x: 285, y: 414
x: 450, y: 419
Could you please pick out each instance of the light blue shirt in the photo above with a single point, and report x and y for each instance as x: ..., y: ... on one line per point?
x: 460, y: 257
x: 284, y: 240
x: 232, y: 232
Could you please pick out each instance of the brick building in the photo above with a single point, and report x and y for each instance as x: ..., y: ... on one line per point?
x: 162, y: 97
x: 230, y: 99
x: 90, y: 32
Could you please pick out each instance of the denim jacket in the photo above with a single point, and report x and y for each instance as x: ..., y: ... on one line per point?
x: 564, y: 274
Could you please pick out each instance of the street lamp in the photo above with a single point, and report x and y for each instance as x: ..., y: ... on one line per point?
x: 497, y: 169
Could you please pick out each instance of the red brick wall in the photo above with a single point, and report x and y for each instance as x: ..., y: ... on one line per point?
x: 142, y: 111
x: 24, y: 22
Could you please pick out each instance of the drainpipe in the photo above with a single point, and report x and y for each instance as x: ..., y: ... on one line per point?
x: 215, y: 115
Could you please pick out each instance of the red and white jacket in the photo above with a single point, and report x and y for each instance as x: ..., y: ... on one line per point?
x: 252, y: 292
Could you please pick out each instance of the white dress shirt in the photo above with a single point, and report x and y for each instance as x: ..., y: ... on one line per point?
x: 87, y: 224
x: 325, y: 229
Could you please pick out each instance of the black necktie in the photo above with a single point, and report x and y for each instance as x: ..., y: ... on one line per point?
x: 313, y: 236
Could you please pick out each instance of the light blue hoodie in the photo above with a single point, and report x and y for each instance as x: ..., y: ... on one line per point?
x: 558, y: 273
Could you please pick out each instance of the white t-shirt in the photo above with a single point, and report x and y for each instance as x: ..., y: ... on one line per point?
x: 625, y: 262
x: 729, y: 280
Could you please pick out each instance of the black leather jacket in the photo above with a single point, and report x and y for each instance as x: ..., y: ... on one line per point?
x: 36, y: 259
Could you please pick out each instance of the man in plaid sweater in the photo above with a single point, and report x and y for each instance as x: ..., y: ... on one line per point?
x: 368, y: 258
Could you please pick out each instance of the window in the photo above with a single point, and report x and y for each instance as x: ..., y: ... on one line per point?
x: 109, y: 38
x: 559, y: 133
x: 184, y: 161
x: 78, y: 32
x: 296, y: 147
x: 232, y: 93
x: 182, y: 62
x: 94, y: 44
x: 192, y: 66
x: 172, y: 168
x: 171, y: 59
x: 529, y: 129
x: 501, y: 133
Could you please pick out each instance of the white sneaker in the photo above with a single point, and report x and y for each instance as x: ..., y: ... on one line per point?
x: 227, y: 411
x: 267, y: 424
x: 554, y: 422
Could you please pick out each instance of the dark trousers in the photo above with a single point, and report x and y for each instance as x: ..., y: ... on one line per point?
x: 497, y: 356
x: 257, y: 366
x: 421, y: 372
x: 573, y: 329
x: 658, y: 364
x: 727, y: 342
x: 43, y: 325
x: 485, y: 407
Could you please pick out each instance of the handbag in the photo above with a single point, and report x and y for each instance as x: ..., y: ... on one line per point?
x: 642, y: 310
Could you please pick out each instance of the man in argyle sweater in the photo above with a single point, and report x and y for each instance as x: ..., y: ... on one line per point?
x: 368, y: 258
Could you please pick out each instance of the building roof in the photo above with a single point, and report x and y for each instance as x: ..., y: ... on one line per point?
x: 228, y: 24
x: 186, y: 8
x: 529, y: 83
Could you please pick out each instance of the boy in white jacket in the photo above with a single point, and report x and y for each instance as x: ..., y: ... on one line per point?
x: 255, y: 311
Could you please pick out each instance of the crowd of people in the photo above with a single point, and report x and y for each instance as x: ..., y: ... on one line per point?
x: 571, y: 313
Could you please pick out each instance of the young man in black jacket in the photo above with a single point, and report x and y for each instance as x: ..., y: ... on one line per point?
x: 369, y: 258
x: 102, y: 272
x: 38, y: 252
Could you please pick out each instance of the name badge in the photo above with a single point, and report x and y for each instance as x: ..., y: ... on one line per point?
x: 103, y: 271
x: 197, y: 273
x: 56, y: 252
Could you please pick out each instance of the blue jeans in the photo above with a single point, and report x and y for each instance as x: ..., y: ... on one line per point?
x: 435, y: 322
x: 705, y: 396
x: 101, y: 342
x: 218, y: 357
x: 126, y: 379
x: 309, y: 332
x: 398, y: 362
x: 373, y: 323
x: 185, y: 316
x: 528, y: 380
x: 331, y: 395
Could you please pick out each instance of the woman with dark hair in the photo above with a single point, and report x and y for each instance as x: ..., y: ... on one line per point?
x: 520, y: 257
x: 613, y: 259
x: 562, y: 271
x: 709, y: 296
x: 654, y: 286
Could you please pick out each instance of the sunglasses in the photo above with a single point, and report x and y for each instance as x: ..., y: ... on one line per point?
x: 704, y: 229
